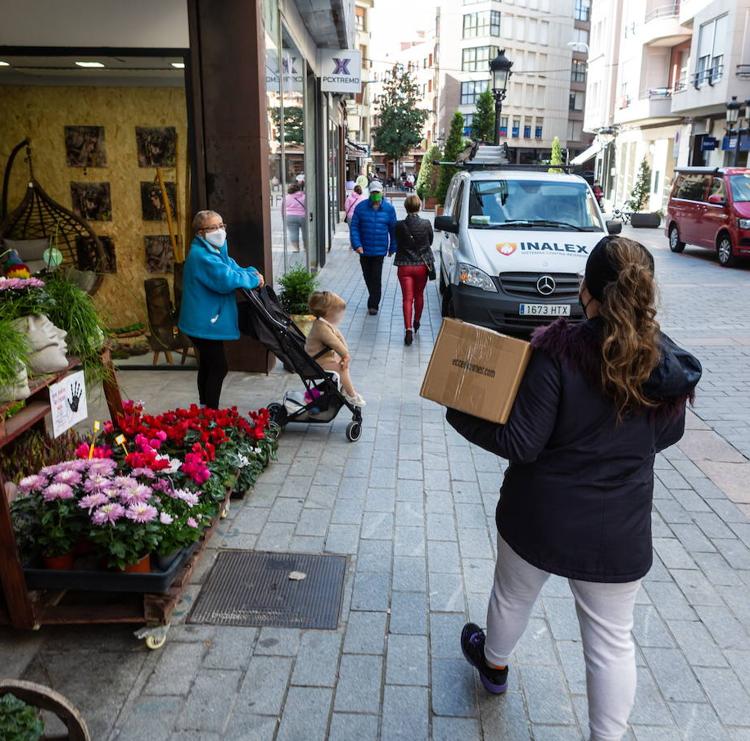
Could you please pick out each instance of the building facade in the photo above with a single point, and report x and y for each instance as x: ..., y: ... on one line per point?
x: 548, y: 44
x: 660, y: 76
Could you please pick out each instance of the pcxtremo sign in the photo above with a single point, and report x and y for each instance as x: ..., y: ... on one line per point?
x: 340, y: 70
x: 508, y: 248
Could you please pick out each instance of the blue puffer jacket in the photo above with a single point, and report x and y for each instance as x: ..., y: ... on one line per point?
x: 210, y: 278
x: 373, y: 229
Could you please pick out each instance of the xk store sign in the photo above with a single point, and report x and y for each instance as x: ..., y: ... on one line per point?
x: 340, y: 70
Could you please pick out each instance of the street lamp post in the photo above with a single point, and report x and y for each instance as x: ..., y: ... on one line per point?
x: 500, y: 71
x: 733, y: 117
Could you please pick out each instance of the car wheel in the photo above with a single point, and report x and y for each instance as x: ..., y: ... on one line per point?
x: 674, y: 239
x: 724, y: 251
x: 447, y: 310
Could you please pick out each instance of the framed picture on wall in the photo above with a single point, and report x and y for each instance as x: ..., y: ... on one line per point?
x: 152, y: 204
x: 157, y: 147
x: 84, y: 146
x: 87, y: 258
x: 159, y: 254
x: 91, y: 201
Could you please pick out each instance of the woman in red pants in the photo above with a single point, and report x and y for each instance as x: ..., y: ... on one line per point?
x: 414, y: 259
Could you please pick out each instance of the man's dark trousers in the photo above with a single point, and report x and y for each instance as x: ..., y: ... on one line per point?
x: 372, y: 270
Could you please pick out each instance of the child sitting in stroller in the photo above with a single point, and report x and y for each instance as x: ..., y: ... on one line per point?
x: 329, y: 308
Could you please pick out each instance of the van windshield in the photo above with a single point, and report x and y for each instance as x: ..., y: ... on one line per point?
x: 532, y: 204
x: 740, y: 187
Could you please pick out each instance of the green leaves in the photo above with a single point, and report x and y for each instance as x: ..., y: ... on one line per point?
x: 642, y: 187
x: 19, y: 721
x: 483, y: 123
x: 427, y: 175
x: 296, y: 286
x: 401, y: 120
x: 453, y: 147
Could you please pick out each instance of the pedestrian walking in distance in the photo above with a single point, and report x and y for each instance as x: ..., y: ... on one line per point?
x: 208, y: 312
x: 296, y: 215
x: 414, y: 259
x: 372, y: 232
x: 598, y: 401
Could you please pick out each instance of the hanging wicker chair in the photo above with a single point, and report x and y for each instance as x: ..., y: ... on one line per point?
x: 40, y: 217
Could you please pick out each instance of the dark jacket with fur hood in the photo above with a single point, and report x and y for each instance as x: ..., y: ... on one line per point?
x: 576, y: 499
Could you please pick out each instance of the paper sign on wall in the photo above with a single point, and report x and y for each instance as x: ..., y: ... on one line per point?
x: 68, y: 401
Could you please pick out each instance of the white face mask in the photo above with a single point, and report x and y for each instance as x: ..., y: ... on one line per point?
x: 217, y: 237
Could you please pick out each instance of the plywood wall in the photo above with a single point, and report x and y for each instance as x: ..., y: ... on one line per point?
x: 41, y: 113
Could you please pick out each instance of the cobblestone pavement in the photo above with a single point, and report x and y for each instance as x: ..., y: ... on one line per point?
x: 412, y: 507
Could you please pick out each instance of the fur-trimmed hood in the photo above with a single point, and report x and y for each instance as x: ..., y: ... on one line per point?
x: 579, y: 347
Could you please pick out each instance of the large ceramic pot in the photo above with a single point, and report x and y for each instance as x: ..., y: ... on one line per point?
x: 645, y: 220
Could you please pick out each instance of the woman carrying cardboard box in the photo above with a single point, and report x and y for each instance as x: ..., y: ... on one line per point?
x: 598, y: 401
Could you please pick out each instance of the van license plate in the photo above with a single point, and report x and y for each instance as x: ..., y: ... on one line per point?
x: 544, y: 309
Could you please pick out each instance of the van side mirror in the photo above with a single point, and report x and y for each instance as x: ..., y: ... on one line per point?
x: 716, y: 199
x: 446, y: 224
x: 614, y: 227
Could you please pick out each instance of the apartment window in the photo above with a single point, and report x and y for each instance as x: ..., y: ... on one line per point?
x: 477, y: 58
x: 468, y: 123
x: 516, y: 130
x: 576, y: 101
x: 471, y: 90
x: 575, y: 130
x: 578, y: 71
x: 581, y: 36
x: 711, y: 41
x: 503, y: 126
x: 483, y: 23
x: 360, y: 19
x: 527, y: 131
x: 583, y: 10
x: 538, y: 128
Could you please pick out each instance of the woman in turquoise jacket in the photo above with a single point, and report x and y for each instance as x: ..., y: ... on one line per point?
x: 208, y: 312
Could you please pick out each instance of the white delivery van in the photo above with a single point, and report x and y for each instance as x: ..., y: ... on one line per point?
x: 512, y: 246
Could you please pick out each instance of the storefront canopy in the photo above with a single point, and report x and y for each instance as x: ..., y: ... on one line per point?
x: 329, y: 22
x: 587, y: 154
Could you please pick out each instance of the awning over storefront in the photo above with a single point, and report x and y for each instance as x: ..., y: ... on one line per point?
x: 353, y: 149
x: 587, y: 154
x: 329, y: 22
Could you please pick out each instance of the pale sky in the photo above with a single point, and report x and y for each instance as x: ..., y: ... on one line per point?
x: 394, y: 21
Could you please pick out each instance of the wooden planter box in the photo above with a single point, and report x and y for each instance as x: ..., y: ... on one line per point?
x: 645, y: 221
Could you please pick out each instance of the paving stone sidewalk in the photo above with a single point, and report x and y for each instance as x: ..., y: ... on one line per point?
x: 412, y: 506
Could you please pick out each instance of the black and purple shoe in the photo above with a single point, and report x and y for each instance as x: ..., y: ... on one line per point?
x: 472, y: 644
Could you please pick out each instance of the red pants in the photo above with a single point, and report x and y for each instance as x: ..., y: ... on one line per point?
x: 413, y: 279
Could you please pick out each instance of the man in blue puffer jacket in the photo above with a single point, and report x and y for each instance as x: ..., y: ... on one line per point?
x: 372, y: 233
x: 208, y: 312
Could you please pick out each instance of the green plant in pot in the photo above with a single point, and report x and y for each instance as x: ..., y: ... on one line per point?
x: 18, y: 720
x: 296, y: 286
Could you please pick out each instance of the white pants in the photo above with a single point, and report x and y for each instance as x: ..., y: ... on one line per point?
x: 605, y: 614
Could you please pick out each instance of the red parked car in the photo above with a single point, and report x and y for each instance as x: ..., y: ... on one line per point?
x: 710, y: 207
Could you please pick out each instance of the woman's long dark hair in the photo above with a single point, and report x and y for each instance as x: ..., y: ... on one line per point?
x: 631, y: 347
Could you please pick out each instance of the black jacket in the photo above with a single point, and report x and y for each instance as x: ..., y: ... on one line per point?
x: 576, y: 499
x: 414, y: 237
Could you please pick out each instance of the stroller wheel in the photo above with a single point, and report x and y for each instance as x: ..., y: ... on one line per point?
x: 278, y: 414
x: 353, y: 431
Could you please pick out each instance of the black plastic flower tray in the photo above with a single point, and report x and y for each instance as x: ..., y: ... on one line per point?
x: 81, y: 579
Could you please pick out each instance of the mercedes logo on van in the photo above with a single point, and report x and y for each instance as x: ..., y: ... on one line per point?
x: 546, y: 285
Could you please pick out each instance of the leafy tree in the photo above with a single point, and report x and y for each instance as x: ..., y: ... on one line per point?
x: 556, y: 155
x: 453, y: 147
x: 425, y: 179
x: 483, y: 123
x: 642, y: 187
x: 294, y: 124
x: 401, y: 120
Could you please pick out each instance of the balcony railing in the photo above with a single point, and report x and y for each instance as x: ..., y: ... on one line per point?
x: 711, y: 75
x: 743, y: 71
x: 668, y: 10
x: 656, y: 93
x: 680, y: 85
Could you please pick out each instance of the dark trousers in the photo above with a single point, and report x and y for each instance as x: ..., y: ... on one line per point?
x: 212, y: 369
x: 372, y: 270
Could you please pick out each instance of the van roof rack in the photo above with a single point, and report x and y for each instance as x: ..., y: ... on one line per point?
x: 478, y: 156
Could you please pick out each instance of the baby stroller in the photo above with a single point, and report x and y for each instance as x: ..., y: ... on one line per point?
x: 262, y: 318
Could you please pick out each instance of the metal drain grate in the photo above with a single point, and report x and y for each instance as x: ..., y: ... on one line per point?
x: 254, y: 588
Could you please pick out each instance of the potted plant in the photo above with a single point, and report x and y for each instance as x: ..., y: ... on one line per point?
x: 296, y: 286
x: 638, y: 199
x: 19, y: 721
x: 427, y: 179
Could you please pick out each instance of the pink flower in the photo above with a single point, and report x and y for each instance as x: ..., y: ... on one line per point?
x: 161, y: 435
x: 191, y: 522
x: 50, y: 470
x: 146, y: 473
x: 141, y: 512
x: 96, y: 482
x: 93, y: 500
x: 125, y: 482
x: 67, y: 476
x: 162, y: 485
x: 82, y: 451
x: 102, y: 466
x: 108, y: 514
x: 186, y: 496
x: 166, y: 519
x: 135, y: 495
x: 32, y: 483
x: 57, y: 491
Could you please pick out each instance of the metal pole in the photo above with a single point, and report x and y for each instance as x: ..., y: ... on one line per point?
x: 498, y: 111
x: 736, y: 152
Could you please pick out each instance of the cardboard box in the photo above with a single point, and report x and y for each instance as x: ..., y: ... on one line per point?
x: 475, y: 370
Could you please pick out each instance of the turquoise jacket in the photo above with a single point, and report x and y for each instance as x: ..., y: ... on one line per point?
x: 210, y: 278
